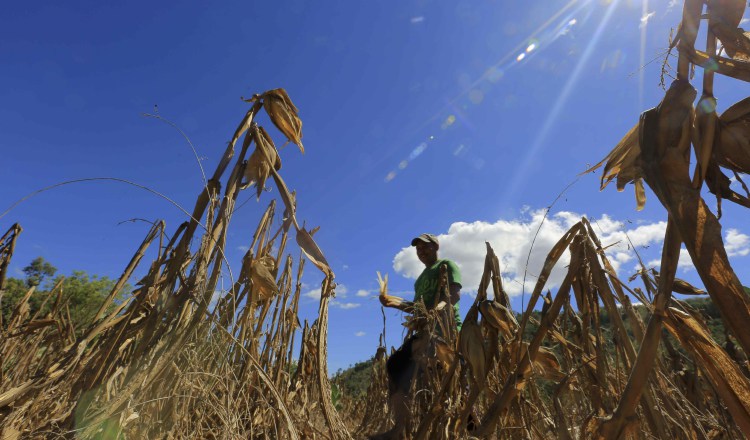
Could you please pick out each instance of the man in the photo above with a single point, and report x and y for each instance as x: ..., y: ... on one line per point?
x: 401, y: 366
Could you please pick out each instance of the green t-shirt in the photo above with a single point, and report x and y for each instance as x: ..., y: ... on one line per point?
x: 426, y: 286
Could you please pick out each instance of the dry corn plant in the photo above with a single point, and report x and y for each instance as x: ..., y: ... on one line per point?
x: 166, y: 364
x: 500, y: 379
x: 172, y: 361
x: 657, y: 150
x: 564, y: 382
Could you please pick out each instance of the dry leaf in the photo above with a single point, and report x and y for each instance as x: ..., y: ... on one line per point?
x: 623, y: 163
x: 312, y: 251
x: 498, y: 317
x: 706, y: 127
x: 728, y: 12
x: 735, y: 42
x: 733, y: 149
x: 640, y: 195
x: 258, y: 166
x: 727, y: 378
x: 283, y: 114
x: 471, y: 344
x: 263, y: 280
x: 546, y: 365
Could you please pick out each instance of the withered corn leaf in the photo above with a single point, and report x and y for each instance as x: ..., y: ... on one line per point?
x: 284, y: 115
x: 312, y: 251
x: 728, y: 12
x: 733, y: 149
x: 471, y: 343
x: 263, y: 280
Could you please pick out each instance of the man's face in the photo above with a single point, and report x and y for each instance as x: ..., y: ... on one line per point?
x: 427, y: 253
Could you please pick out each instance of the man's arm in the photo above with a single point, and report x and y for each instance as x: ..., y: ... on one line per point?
x: 396, y: 303
x: 455, y: 290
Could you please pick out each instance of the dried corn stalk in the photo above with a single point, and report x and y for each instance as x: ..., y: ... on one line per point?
x: 172, y: 360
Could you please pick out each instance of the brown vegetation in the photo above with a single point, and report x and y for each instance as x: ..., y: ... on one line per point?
x: 167, y: 362
x: 173, y: 361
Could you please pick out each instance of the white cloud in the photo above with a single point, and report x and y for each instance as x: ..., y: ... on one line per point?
x: 312, y: 294
x: 511, y: 240
x: 341, y: 291
x: 684, y: 263
x: 362, y: 293
x: 360, y: 333
x: 344, y: 305
x: 415, y: 20
x: 243, y: 248
x: 345, y: 267
x: 737, y: 244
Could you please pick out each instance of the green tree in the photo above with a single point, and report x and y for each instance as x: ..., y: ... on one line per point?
x: 15, y: 289
x: 336, y: 396
x: 85, y: 294
x: 82, y: 293
x: 354, y: 380
x: 37, y: 271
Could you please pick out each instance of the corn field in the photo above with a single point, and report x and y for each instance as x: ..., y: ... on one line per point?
x: 170, y: 361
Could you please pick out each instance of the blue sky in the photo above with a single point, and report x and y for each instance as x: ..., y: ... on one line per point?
x: 463, y: 119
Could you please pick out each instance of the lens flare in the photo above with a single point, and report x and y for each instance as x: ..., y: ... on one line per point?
x: 476, y: 96
x: 558, y: 24
x: 522, y: 170
x: 417, y: 151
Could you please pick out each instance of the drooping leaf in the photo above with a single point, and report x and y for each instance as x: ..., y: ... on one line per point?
x: 269, y: 148
x: 640, y: 194
x: 284, y: 115
x: 728, y: 12
x: 706, y: 127
x: 471, y: 344
x: 312, y: 251
x: 735, y: 42
x: 263, y: 280
x: 733, y: 149
x: 259, y: 164
x: 623, y: 163
x: 498, y: 317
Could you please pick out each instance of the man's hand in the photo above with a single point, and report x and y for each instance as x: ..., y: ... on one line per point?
x: 396, y: 303
x: 390, y: 301
x: 455, y: 290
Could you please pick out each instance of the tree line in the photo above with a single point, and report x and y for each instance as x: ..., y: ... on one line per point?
x: 82, y: 293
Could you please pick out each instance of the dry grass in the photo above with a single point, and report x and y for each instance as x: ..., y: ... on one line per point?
x: 169, y: 363
x: 572, y: 373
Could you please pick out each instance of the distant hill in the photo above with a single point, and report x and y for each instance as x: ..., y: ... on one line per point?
x: 354, y: 380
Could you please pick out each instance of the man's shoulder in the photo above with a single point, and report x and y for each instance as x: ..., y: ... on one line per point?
x: 453, y: 270
x: 451, y: 264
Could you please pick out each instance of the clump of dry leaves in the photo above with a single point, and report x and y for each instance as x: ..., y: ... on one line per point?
x: 172, y: 361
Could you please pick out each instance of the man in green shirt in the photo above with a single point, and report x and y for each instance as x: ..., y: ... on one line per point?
x: 401, y: 366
